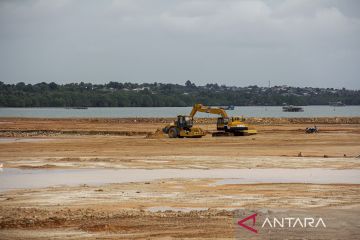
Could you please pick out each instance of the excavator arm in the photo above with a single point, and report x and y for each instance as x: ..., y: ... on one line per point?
x: 205, y: 109
x: 226, y: 126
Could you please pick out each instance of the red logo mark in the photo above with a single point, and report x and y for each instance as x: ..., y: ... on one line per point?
x: 253, y: 217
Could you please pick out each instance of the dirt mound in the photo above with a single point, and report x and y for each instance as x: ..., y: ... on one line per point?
x: 46, y: 132
x: 155, y: 135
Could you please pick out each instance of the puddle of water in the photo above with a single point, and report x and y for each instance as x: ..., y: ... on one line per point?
x: 12, y: 178
x: 13, y: 140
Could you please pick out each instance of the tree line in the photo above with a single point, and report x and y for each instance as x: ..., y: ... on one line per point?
x: 117, y: 94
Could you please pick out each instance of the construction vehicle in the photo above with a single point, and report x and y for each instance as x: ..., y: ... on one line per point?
x: 312, y: 129
x: 183, y: 127
x: 226, y: 126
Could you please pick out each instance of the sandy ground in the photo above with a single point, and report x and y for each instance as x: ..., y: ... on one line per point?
x: 173, y: 208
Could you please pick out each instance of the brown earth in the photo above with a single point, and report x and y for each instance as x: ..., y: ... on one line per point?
x: 188, y: 208
x: 176, y: 208
x: 336, y: 144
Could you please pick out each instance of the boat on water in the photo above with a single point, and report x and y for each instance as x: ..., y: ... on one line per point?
x: 337, y: 104
x: 291, y: 108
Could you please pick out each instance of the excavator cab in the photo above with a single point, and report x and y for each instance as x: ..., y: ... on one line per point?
x: 239, y: 119
x: 221, y: 123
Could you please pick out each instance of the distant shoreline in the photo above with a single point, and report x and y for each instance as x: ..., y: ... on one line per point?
x: 118, y: 94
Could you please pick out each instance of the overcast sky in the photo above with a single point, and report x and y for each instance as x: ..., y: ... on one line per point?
x: 294, y: 42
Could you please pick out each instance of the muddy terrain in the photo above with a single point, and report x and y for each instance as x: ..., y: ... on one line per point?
x: 175, y: 207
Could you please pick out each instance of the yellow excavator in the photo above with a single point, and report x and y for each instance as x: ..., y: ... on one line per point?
x: 226, y: 126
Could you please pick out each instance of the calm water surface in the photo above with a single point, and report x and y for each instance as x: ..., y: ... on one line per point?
x: 117, y: 112
x: 12, y: 178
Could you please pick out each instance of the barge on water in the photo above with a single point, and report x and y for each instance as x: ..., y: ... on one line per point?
x: 291, y: 108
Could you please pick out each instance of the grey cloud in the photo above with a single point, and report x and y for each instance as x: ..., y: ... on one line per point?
x: 294, y: 42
